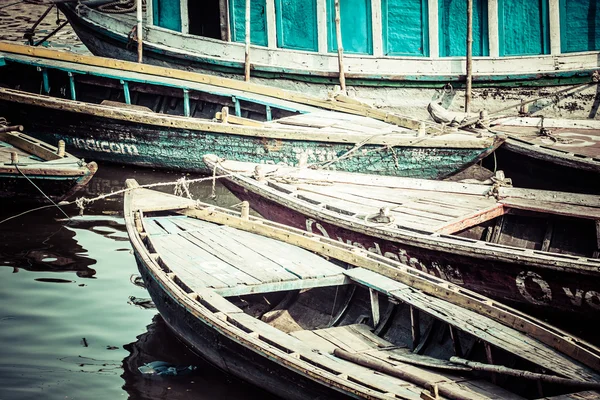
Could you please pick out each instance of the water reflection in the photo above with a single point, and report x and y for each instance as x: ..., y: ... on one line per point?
x: 160, y: 344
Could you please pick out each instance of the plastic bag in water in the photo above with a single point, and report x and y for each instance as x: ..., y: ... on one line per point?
x: 162, y: 368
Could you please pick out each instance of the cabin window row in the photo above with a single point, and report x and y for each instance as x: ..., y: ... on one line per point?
x: 396, y: 27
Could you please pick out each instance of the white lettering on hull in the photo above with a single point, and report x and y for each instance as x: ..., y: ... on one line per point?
x: 104, y: 146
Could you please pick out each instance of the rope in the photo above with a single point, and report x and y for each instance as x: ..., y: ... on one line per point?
x: 475, y: 120
x: 41, y: 191
x: 83, y: 201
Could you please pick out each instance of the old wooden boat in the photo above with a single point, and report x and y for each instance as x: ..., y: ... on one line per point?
x: 536, y: 249
x: 308, y: 317
x: 551, y: 153
x: 143, y: 115
x: 540, y: 152
x: 32, y: 170
x: 418, y: 46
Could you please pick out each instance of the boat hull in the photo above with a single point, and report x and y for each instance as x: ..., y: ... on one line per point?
x: 536, y: 289
x: 173, y: 148
x: 411, y: 91
x: 57, y: 187
x: 228, y: 354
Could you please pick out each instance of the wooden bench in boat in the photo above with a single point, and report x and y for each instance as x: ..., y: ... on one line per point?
x: 195, y: 251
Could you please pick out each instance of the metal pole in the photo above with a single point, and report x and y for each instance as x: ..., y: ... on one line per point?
x: 338, y: 34
x: 139, y: 29
x: 469, y: 55
x: 247, y: 59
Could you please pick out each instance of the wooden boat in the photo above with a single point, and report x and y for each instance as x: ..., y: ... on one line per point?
x: 536, y: 249
x: 305, y: 316
x: 540, y: 152
x: 551, y: 153
x: 31, y: 170
x: 143, y: 115
x: 416, y: 46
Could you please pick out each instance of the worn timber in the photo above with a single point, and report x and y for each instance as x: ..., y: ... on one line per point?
x: 286, y: 340
x: 31, y: 169
x: 118, y: 112
x: 521, y: 246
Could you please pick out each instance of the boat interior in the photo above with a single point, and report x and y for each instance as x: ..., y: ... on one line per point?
x: 567, y: 225
x: 334, y: 317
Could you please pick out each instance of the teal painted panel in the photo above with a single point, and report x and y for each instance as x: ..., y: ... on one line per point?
x: 453, y: 28
x: 405, y: 27
x: 579, y: 25
x: 167, y: 14
x: 523, y: 27
x: 297, y: 24
x: 355, y: 20
x: 258, y: 21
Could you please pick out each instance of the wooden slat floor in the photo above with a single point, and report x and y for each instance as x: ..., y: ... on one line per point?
x: 424, y: 210
x: 6, y: 149
x: 470, y: 322
x: 205, y: 255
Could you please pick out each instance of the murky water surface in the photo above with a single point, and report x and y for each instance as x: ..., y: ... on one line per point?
x: 73, y: 322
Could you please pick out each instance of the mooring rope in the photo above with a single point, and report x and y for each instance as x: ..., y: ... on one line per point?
x: 41, y: 191
x: 83, y: 201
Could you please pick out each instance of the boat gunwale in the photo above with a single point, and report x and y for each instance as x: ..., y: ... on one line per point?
x: 430, y: 241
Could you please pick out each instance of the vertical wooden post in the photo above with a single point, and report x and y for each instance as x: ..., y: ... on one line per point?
x: 597, y: 252
x: 139, y: 29
x: 245, y: 210
x: 374, y: 306
x: 490, y: 359
x: 469, y: 55
x: 224, y: 20
x: 247, y: 58
x: 455, y: 341
x: 338, y: 34
x: 415, y: 326
x: 60, y: 151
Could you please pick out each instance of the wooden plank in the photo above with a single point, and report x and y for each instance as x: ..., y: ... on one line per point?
x: 473, y: 219
x: 244, y: 259
x: 473, y: 323
x: 300, y: 262
x: 31, y: 145
x: 168, y: 224
x: 310, y: 338
x: 556, y: 208
x: 195, y: 272
x: 152, y: 228
x: 281, y: 286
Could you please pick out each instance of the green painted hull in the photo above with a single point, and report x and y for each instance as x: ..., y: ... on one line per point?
x: 104, y: 139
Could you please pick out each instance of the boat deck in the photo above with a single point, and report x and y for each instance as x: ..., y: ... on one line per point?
x: 5, y: 154
x: 214, y: 260
x: 234, y: 262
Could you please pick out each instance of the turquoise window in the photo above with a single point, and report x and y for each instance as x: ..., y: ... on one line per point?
x: 297, y: 24
x: 355, y: 21
x: 452, y: 15
x: 579, y: 25
x: 523, y: 27
x: 258, y: 21
x: 167, y: 14
x: 405, y: 27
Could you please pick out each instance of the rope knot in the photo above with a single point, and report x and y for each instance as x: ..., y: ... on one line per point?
x: 498, y: 181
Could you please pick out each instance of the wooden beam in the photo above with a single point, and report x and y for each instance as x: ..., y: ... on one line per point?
x: 493, y: 40
x: 415, y: 327
x: 31, y: 145
x: 224, y: 20
x: 490, y: 359
x: 340, y: 47
x: 597, y: 252
x: 232, y: 119
x: 455, y: 341
x: 547, y: 236
x: 467, y: 221
x: 554, y: 22
x: 282, y: 286
x: 374, y: 295
x: 554, y: 208
x: 376, y: 31
x: 433, y: 21
x: 469, y: 56
x: 247, y: 48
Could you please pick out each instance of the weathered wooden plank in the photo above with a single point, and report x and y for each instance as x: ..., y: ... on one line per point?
x: 299, y: 262
x: 472, y: 219
x: 152, y: 228
x: 556, y: 208
x: 168, y: 224
x: 281, y: 286
x: 472, y: 323
x: 241, y: 257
